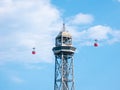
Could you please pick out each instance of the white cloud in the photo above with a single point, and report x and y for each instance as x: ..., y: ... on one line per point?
x: 82, y: 19
x: 28, y: 23
x: 100, y: 32
x: 104, y: 34
x: 115, y: 37
x: 6, y: 6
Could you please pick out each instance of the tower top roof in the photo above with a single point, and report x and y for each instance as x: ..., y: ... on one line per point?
x: 64, y: 33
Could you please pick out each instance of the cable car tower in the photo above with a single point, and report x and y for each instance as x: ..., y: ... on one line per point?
x: 64, y: 51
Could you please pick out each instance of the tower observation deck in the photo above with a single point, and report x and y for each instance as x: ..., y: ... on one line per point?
x: 64, y: 51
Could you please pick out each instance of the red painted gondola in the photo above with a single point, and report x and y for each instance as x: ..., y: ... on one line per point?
x: 96, y: 43
x: 33, y: 52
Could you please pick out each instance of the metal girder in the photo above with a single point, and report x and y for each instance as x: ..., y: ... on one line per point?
x: 64, y: 78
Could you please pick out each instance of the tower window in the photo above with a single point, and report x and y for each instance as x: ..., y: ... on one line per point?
x: 67, y: 40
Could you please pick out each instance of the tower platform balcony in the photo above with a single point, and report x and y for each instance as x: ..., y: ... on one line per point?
x: 65, y: 49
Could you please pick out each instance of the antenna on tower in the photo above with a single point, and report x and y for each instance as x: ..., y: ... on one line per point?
x: 64, y: 24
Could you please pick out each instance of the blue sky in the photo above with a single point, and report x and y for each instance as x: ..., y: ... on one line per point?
x: 25, y: 24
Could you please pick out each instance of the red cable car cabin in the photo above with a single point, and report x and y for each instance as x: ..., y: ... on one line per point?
x: 33, y: 52
x: 96, y: 44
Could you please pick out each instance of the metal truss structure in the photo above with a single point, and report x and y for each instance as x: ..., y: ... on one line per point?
x: 64, y: 51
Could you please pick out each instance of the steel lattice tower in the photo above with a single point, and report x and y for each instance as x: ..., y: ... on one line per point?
x: 64, y: 51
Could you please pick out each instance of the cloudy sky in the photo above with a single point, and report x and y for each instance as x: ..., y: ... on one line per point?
x: 25, y: 24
